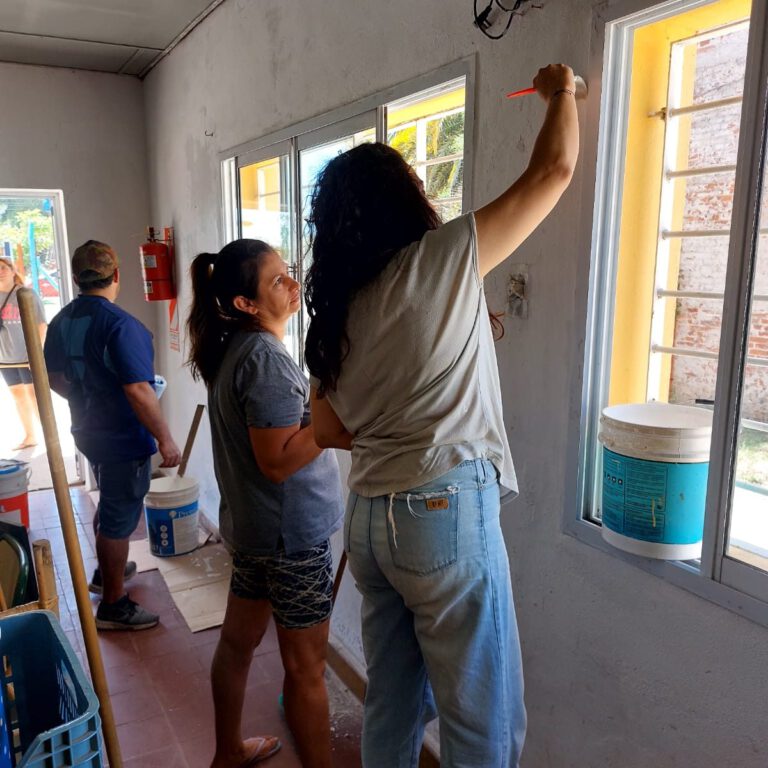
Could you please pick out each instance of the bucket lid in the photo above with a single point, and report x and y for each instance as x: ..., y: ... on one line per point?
x: 660, y: 419
x: 9, y: 466
x: 172, y: 484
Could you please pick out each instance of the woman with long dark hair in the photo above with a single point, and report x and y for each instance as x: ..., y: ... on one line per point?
x: 400, y: 349
x: 280, y: 495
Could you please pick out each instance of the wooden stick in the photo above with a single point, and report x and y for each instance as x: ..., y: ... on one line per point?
x: 46, y: 579
x: 68, y: 527
x: 339, y: 574
x: 191, y: 439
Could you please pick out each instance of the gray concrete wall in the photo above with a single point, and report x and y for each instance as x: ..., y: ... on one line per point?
x: 623, y: 670
x: 83, y: 133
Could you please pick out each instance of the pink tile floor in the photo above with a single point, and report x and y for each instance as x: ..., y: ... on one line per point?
x: 159, y: 678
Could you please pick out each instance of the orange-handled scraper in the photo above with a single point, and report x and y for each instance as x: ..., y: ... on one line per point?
x: 581, y: 90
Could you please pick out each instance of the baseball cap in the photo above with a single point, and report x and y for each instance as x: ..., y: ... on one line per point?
x: 93, y: 261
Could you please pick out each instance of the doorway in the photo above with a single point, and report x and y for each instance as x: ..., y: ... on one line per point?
x: 33, y: 238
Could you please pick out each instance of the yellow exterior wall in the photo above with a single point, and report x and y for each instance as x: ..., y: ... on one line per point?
x: 260, y: 185
x: 641, y: 195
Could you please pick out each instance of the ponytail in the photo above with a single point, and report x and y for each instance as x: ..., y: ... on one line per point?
x: 207, y: 330
x: 217, y: 279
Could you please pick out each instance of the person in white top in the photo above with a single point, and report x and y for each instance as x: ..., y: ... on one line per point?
x: 404, y: 375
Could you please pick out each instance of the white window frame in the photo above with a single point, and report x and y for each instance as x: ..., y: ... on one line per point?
x: 370, y: 111
x: 325, y: 127
x: 723, y: 580
x: 59, y: 232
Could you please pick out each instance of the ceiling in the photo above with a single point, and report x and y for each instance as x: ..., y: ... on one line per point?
x: 120, y: 36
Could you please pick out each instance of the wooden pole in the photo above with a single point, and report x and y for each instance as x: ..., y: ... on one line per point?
x: 46, y: 579
x: 191, y: 439
x: 29, y: 324
x: 339, y: 574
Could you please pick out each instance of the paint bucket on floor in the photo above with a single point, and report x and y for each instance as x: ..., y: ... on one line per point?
x: 655, y: 466
x: 14, y: 499
x: 171, y: 510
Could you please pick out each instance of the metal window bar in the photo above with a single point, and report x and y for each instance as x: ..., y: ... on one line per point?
x: 689, y: 173
x: 668, y: 294
x: 438, y: 160
x: 704, y: 106
x: 670, y: 233
x: 701, y: 353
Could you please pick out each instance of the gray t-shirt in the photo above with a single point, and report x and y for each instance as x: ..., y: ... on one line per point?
x: 12, y: 346
x: 259, y: 385
x: 419, y: 388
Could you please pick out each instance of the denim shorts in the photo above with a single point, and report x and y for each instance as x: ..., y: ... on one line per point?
x: 299, y: 585
x: 122, y: 488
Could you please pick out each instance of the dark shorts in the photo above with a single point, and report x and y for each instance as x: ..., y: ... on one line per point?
x: 122, y: 488
x: 299, y: 586
x: 15, y: 376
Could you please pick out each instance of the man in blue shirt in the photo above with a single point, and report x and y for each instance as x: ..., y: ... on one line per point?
x: 101, y: 360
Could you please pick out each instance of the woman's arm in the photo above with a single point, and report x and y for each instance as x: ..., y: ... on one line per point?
x: 329, y: 431
x: 506, y: 222
x: 281, y: 451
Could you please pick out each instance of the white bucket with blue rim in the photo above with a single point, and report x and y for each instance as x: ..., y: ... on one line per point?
x: 655, y: 467
x: 171, y: 510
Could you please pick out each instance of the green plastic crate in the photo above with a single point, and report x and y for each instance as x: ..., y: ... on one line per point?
x: 51, y: 710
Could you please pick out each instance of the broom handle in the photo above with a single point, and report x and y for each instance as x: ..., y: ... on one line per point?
x: 191, y: 439
x: 339, y: 574
x: 29, y: 324
x: 46, y: 580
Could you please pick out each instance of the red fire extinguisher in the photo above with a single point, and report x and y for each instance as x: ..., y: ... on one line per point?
x: 157, y: 266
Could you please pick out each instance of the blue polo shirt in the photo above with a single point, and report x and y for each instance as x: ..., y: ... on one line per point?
x: 99, y: 348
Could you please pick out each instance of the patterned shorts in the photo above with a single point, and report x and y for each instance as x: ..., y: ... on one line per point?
x: 298, y: 585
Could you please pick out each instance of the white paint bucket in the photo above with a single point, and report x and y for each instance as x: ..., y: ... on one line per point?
x: 655, y: 467
x: 14, y: 499
x: 171, y: 509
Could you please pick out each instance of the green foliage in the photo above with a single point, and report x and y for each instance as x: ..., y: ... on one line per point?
x: 444, y: 137
x: 15, y: 218
x: 752, y: 465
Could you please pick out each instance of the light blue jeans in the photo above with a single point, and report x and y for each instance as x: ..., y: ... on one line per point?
x: 437, y: 607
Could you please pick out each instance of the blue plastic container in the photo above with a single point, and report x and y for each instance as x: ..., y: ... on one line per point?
x: 655, y: 467
x: 49, y: 706
x: 171, y: 510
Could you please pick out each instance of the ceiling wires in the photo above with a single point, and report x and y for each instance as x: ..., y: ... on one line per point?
x: 494, y: 14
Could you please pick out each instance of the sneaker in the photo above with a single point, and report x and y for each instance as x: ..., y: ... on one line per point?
x: 96, y: 586
x: 124, y: 614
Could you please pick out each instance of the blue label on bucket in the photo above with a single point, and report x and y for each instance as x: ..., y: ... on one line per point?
x: 654, y: 501
x: 172, y: 531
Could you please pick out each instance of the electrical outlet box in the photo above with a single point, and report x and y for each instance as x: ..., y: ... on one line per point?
x: 518, y: 291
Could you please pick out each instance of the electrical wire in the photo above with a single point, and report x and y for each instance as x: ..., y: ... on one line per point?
x: 481, y: 17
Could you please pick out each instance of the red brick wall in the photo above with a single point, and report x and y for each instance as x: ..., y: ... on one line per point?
x: 708, y: 203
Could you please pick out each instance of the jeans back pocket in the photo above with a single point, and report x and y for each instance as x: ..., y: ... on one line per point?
x: 423, y: 530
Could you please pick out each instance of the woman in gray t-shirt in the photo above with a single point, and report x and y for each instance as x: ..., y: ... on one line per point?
x: 280, y: 495
x: 404, y: 375
x: 13, y: 352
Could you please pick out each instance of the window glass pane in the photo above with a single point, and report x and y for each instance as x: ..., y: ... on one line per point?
x: 676, y: 205
x: 748, y: 530
x: 722, y: 67
x: 311, y: 163
x: 265, y: 214
x: 428, y: 130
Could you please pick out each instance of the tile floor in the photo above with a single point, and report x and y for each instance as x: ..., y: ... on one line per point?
x: 159, y: 678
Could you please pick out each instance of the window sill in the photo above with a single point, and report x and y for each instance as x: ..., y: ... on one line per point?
x: 681, y: 574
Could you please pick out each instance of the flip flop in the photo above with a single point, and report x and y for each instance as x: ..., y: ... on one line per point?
x: 23, y: 446
x: 260, y: 748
